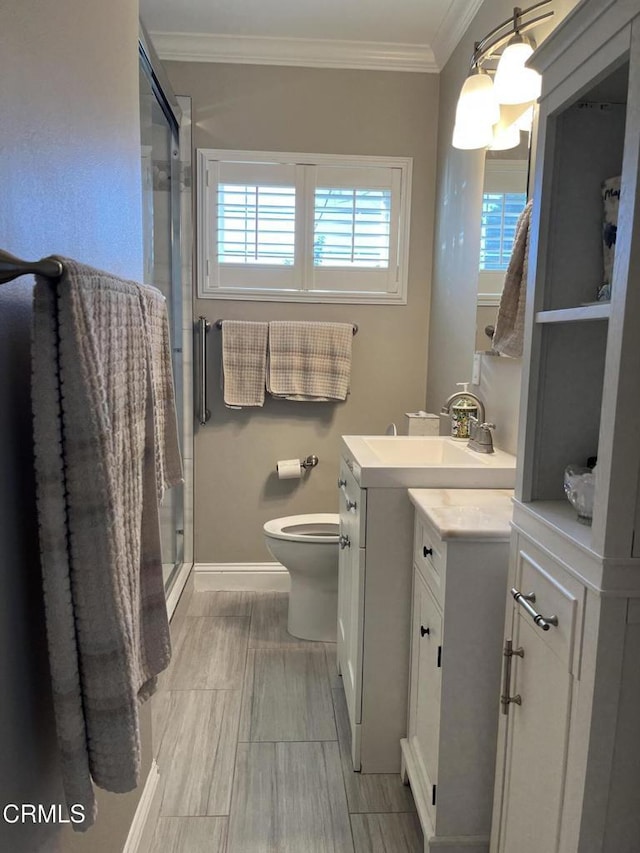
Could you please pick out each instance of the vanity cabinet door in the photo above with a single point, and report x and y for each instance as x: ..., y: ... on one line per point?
x: 426, y: 684
x: 351, y: 577
x: 536, y: 744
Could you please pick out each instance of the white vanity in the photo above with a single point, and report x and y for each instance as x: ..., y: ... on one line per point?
x: 375, y: 574
x: 460, y: 562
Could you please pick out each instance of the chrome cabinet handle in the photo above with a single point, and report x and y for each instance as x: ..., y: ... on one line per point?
x: 505, y: 698
x: 344, y: 541
x: 342, y: 484
x: 424, y: 631
x: 426, y: 552
x: 526, y: 601
x: 203, y: 327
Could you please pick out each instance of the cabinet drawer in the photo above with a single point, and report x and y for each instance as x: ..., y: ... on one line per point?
x: 352, y: 501
x: 557, y: 593
x: 429, y: 555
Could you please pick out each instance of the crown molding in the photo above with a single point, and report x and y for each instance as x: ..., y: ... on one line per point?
x: 454, y: 25
x: 312, y: 53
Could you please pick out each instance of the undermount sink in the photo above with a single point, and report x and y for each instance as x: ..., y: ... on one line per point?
x: 426, y: 461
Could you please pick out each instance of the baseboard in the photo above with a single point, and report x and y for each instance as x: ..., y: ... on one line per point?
x: 271, y: 577
x: 146, y: 816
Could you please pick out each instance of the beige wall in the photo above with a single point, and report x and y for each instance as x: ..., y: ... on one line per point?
x: 457, y: 244
x: 70, y: 178
x: 318, y: 111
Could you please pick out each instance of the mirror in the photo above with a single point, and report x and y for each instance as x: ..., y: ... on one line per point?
x: 504, y: 197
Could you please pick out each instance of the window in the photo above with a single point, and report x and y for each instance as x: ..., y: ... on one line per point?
x: 300, y: 227
x: 500, y: 212
x: 504, y: 195
x: 256, y: 225
x: 351, y: 227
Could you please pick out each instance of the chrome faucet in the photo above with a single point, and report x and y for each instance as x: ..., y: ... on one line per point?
x: 481, y: 439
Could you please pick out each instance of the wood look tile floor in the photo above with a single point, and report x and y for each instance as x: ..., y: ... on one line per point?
x: 252, y: 740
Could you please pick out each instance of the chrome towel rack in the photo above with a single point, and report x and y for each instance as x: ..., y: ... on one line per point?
x: 12, y: 267
x: 218, y: 325
x: 203, y: 329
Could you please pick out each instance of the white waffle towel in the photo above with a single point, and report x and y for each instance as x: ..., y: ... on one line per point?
x: 309, y: 361
x: 244, y: 363
x: 509, y: 334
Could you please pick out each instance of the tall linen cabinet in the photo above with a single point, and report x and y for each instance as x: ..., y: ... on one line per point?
x: 568, y: 765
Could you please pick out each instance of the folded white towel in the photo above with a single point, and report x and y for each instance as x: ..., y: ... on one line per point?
x: 509, y: 334
x: 244, y: 363
x: 95, y: 394
x: 309, y: 361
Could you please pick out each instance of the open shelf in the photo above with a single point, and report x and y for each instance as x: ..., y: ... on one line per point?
x: 566, y: 429
x: 598, y: 311
x: 573, y: 232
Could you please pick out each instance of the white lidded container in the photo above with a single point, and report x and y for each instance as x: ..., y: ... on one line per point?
x: 462, y: 410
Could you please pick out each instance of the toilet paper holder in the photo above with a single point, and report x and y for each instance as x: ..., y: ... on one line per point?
x: 290, y: 469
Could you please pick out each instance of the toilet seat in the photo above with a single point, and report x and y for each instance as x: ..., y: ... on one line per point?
x: 318, y: 527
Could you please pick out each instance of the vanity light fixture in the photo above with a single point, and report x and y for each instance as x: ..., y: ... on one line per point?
x: 478, y: 108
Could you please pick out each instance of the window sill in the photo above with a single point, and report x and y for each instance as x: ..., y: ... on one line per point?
x: 309, y: 296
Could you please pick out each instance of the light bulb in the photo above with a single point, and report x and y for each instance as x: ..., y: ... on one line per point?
x: 477, y: 100
x: 515, y: 84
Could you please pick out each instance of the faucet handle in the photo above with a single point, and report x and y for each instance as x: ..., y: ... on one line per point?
x: 481, y: 437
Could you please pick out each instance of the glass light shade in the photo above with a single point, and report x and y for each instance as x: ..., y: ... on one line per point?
x: 525, y: 121
x: 477, y: 101
x: 515, y: 84
x: 469, y: 135
x: 507, y: 137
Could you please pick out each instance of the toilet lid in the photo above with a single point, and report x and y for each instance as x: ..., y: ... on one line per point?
x: 321, y: 527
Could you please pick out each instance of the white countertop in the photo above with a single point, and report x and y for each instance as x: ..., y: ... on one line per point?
x: 466, y: 513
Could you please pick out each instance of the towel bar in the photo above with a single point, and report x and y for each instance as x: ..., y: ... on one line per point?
x: 203, y: 328
x: 12, y: 267
x: 218, y: 325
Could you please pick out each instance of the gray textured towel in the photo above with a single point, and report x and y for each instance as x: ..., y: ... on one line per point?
x: 509, y: 334
x: 309, y: 361
x: 165, y: 423
x: 244, y: 361
x: 105, y: 446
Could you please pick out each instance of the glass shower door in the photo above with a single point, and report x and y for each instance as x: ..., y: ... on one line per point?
x: 161, y: 234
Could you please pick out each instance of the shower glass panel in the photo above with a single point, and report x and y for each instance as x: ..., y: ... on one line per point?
x: 161, y: 234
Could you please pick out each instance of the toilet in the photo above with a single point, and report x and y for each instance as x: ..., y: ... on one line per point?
x: 307, y: 546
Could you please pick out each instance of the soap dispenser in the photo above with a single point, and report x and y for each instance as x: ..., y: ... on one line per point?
x: 464, y: 408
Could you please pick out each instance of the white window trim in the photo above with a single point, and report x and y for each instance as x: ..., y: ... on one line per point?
x: 207, y: 289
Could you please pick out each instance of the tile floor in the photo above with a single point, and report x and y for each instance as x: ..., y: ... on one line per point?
x: 253, y: 743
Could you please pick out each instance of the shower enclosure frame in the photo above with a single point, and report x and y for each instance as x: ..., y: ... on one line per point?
x: 177, y: 112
